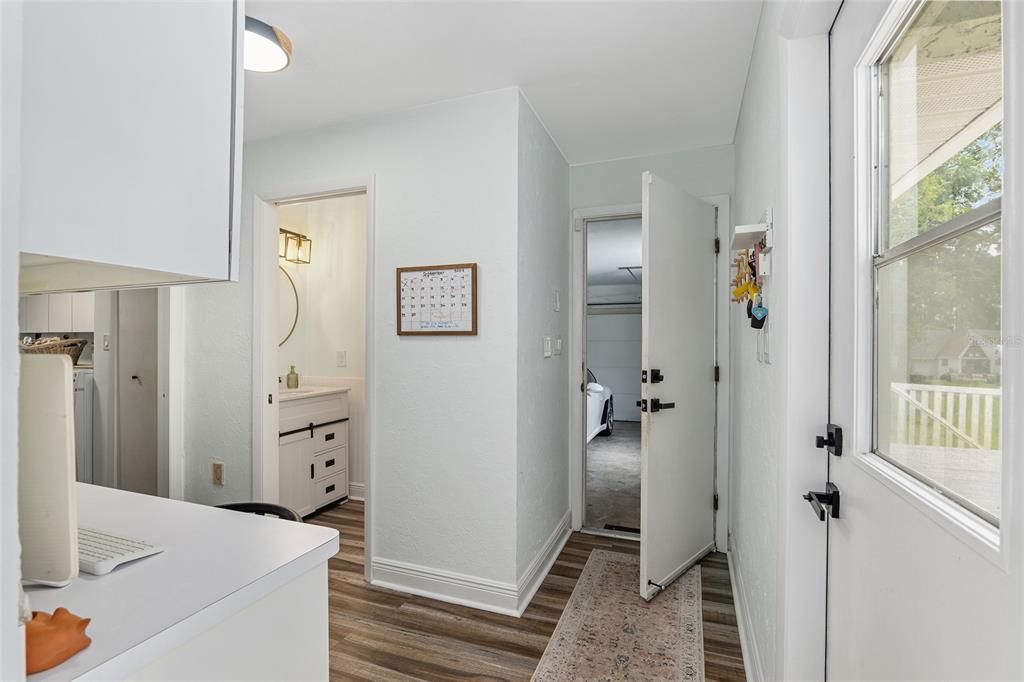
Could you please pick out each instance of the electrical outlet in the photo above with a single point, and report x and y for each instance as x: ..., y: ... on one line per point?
x: 547, y: 346
x: 218, y: 473
x: 342, y: 358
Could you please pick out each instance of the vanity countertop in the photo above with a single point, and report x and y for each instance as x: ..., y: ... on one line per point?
x: 286, y: 394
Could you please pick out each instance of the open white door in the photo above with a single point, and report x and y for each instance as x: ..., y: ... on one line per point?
x: 677, y: 421
x: 265, y: 229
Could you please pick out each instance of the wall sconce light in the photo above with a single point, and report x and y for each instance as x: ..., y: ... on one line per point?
x: 294, y: 247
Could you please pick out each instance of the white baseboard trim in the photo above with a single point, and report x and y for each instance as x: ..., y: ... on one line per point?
x: 748, y: 643
x: 356, y: 491
x: 510, y: 599
x: 455, y: 588
x: 538, y: 569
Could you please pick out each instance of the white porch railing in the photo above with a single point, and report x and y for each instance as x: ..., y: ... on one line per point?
x: 950, y: 416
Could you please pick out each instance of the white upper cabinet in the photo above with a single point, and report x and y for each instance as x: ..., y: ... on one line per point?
x: 59, y: 313
x: 34, y: 314
x: 83, y: 311
x: 131, y: 142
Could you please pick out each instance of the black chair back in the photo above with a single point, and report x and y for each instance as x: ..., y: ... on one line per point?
x: 263, y: 509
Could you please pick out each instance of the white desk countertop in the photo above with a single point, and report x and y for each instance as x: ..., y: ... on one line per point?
x: 215, y: 563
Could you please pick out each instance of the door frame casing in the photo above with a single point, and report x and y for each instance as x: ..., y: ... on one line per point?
x: 264, y: 441
x: 577, y: 357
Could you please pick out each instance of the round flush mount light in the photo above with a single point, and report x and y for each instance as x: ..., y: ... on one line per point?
x: 267, y: 49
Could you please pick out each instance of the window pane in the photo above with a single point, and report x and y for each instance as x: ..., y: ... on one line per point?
x: 938, y: 358
x: 942, y: 100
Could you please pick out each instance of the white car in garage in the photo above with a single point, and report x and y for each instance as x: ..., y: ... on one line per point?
x: 600, y: 408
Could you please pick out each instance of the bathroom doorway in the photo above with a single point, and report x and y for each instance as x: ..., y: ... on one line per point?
x: 313, y: 341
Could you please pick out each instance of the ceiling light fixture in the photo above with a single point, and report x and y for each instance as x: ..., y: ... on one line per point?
x: 267, y: 49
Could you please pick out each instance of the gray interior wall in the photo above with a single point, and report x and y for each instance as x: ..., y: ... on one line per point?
x: 758, y: 389
x: 542, y: 480
x: 444, y: 433
x: 701, y: 172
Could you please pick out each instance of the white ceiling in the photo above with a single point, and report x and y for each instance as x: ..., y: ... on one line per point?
x: 609, y: 79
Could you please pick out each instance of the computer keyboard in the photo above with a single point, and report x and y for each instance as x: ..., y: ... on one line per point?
x: 100, y: 553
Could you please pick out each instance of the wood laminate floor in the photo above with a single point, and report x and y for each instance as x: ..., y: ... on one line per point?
x: 379, y: 634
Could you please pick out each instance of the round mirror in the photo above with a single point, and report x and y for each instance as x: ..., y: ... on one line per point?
x: 288, y: 301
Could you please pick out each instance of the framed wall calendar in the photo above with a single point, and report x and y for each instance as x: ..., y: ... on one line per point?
x: 437, y: 300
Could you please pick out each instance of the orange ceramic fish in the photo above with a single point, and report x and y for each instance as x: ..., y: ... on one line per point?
x: 51, y: 640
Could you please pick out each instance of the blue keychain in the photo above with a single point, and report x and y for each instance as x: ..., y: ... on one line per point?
x: 758, y: 314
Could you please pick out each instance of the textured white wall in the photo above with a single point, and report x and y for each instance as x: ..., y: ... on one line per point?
x: 701, y: 172
x: 542, y: 405
x: 445, y: 452
x: 12, y: 643
x: 778, y: 546
x: 758, y: 396
x: 218, y: 382
x: 614, y: 356
x: 332, y: 288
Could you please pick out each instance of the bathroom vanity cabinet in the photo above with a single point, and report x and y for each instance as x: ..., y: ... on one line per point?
x: 313, y: 447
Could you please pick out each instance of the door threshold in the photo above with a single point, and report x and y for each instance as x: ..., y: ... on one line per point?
x: 604, y: 532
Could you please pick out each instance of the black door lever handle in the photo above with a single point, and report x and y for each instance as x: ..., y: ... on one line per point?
x: 829, y: 498
x: 655, y: 405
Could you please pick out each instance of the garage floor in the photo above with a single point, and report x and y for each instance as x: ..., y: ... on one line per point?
x: 613, y: 478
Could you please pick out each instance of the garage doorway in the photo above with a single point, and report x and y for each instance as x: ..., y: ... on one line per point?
x: 584, y: 221
x: 613, y: 365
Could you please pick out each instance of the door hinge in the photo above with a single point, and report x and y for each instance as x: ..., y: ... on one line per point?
x: 718, y: 373
x: 716, y: 502
x: 718, y: 245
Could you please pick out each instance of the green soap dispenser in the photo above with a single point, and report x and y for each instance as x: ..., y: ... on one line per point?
x: 293, y: 378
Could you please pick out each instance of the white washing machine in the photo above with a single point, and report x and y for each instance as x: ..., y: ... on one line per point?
x: 84, y: 389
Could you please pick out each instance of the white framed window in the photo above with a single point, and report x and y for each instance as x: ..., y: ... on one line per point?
x: 937, y: 143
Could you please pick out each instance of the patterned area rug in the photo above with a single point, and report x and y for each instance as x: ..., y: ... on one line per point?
x: 608, y: 632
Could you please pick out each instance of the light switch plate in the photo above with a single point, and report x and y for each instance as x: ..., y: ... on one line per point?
x: 558, y: 345
x: 218, y: 473
x: 556, y: 301
x: 547, y: 346
x: 342, y: 358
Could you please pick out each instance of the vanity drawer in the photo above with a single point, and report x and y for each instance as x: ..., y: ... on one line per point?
x: 330, y: 489
x: 330, y: 436
x: 300, y: 412
x: 329, y: 463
